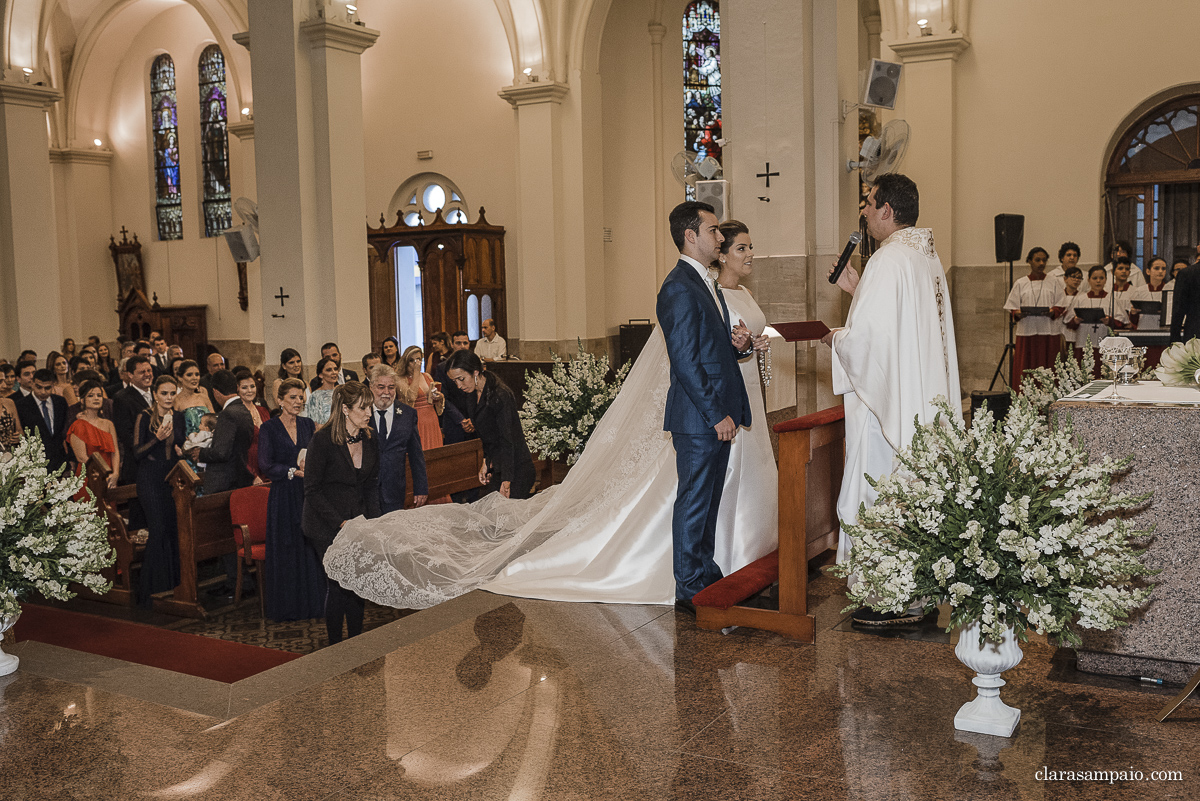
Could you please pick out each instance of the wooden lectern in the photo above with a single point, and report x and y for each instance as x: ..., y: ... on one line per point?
x: 812, y: 454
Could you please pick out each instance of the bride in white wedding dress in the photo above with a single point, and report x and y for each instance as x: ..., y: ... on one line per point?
x: 604, y: 534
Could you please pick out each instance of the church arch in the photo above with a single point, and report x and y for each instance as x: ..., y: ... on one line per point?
x: 109, y: 12
x: 1152, y: 178
x: 525, y: 26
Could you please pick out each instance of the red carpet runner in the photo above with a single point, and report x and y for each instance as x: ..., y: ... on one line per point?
x: 205, y: 657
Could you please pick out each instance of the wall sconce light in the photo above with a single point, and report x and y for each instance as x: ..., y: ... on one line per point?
x: 926, y: 29
x: 97, y: 143
x: 28, y: 72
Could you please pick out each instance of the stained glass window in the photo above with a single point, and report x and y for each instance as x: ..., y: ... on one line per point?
x: 166, y: 148
x: 702, y: 80
x: 214, y: 141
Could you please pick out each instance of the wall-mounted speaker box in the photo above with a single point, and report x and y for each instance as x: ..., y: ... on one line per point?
x: 1010, y: 236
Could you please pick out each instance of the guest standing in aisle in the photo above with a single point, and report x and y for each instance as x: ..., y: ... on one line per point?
x: 341, y: 482
x: 158, y: 439
x: 295, y: 579
x: 397, y: 425
x: 507, y: 464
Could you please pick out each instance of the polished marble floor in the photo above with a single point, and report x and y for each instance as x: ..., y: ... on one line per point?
x: 489, y: 697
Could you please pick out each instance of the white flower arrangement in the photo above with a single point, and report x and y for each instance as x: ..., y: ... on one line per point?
x: 1179, y: 366
x: 1008, y: 523
x: 1042, y: 386
x: 562, y: 409
x: 47, y: 540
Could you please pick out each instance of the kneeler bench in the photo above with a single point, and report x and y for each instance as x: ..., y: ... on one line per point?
x: 812, y: 451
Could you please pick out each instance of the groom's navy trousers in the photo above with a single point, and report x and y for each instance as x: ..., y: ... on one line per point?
x: 706, y: 387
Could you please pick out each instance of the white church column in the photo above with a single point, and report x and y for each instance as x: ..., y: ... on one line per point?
x: 310, y: 175
x: 926, y: 102
x: 83, y: 211
x: 543, y: 286
x: 780, y: 119
x: 30, y: 286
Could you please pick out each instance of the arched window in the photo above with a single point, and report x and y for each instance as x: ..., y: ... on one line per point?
x: 1153, y: 184
x: 214, y: 142
x: 702, y: 80
x: 424, y: 196
x: 165, y: 128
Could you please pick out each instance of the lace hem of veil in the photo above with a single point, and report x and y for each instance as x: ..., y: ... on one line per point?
x: 417, y: 558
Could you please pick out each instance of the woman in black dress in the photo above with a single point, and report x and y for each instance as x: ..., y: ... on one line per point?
x: 508, y: 467
x: 341, y: 482
x: 295, y: 579
x: 157, y: 441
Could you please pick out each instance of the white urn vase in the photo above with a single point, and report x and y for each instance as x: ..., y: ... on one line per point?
x: 987, y: 714
x: 8, y: 662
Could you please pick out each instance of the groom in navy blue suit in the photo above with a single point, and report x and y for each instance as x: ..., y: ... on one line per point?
x: 707, y: 400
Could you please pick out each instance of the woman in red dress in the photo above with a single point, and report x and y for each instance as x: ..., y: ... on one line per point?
x: 91, y: 433
x: 419, y: 391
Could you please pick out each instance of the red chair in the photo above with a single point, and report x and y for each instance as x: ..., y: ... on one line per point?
x: 248, y: 511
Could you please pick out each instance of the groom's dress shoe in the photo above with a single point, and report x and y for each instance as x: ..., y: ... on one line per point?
x: 686, y: 607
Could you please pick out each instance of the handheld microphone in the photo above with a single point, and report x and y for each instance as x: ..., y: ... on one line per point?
x: 844, y: 259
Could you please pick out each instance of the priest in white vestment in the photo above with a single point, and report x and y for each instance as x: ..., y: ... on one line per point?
x: 896, y: 353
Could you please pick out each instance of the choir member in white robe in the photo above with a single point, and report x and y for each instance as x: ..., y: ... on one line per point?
x: 1156, y: 282
x: 1118, y: 250
x: 1122, y: 293
x: 1037, y: 337
x: 1116, y: 315
x: 1068, y: 257
x: 1061, y: 311
x: 894, y: 356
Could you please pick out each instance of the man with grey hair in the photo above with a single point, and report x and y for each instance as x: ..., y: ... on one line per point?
x: 396, y: 424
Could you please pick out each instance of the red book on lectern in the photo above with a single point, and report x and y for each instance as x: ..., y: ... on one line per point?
x: 802, y: 331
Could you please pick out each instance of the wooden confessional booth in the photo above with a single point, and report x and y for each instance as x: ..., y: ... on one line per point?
x: 457, y: 260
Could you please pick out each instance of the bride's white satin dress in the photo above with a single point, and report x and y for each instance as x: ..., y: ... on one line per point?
x: 603, y: 535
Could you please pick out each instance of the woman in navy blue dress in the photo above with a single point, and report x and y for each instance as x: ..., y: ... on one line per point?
x: 295, y: 579
x: 157, y: 441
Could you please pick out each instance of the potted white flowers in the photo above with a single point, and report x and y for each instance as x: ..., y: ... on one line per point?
x: 562, y: 409
x: 47, y: 540
x: 1012, y: 527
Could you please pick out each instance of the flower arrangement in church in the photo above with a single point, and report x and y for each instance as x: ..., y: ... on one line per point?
x: 47, y: 540
x: 1179, y: 366
x: 562, y: 409
x: 1008, y: 523
x: 1042, y: 386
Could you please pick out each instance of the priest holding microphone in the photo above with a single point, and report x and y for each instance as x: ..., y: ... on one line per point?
x: 894, y: 356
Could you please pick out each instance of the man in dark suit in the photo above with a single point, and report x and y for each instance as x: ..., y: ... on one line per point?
x: 330, y: 350
x: 160, y: 359
x: 127, y: 405
x: 212, y: 363
x: 46, y: 412
x: 707, y: 398
x: 1185, y: 311
x: 24, y: 373
x: 396, y: 425
x: 111, y: 390
x: 225, y: 458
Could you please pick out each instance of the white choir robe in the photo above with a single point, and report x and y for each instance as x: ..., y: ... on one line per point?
x: 1067, y: 304
x: 1135, y: 277
x: 895, y: 354
x: 1116, y: 307
x: 1026, y: 292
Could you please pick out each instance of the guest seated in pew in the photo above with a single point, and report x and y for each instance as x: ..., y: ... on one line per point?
x: 341, y: 482
x: 46, y: 413
x: 295, y: 580
x: 157, y: 445
x: 91, y: 433
x: 79, y: 379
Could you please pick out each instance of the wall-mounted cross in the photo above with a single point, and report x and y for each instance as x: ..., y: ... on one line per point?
x: 768, y: 175
x: 281, y: 296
